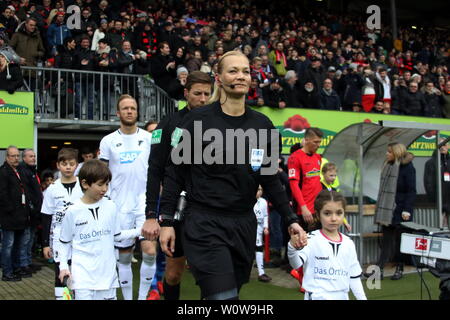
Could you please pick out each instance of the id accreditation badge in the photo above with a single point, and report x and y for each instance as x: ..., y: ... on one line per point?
x: 447, y: 176
x: 256, y: 159
x: 23, y: 199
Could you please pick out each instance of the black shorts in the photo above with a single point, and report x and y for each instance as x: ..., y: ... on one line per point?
x: 220, y: 250
x: 179, y: 251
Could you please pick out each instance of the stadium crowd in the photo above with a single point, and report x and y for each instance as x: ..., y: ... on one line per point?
x: 303, y: 59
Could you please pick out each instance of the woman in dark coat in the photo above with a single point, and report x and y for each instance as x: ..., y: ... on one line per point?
x: 395, y: 203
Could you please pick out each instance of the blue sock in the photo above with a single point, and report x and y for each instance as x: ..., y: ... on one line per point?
x: 160, y: 268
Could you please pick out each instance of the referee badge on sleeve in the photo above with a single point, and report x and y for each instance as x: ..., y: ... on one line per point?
x: 176, y: 136
x: 256, y: 159
x: 156, y: 136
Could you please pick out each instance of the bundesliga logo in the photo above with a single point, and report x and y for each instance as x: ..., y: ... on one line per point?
x: 421, y: 244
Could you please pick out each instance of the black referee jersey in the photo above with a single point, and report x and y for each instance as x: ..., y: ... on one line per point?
x: 225, y: 189
x: 160, y: 152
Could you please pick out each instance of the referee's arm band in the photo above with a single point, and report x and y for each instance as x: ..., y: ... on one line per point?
x: 291, y: 220
x: 166, y: 220
x: 151, y: 215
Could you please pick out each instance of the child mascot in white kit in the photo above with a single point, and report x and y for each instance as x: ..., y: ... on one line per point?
x: 262, y: 219
x: 88, y: 231
x: 330, y: 263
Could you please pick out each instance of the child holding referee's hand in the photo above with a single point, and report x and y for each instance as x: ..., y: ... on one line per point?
x: 331, y: 266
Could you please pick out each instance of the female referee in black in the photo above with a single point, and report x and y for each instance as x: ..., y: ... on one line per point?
x: 219, y: 228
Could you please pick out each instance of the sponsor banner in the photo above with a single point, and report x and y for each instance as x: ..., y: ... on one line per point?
x: 292, y: 123
x: 16, y: 119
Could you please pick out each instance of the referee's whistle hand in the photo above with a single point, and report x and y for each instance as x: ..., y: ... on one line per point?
x: 150, y: 229
x: 167, y: 240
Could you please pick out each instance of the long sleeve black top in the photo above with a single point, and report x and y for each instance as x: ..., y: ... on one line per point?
x: 159, y: 155
x: 228, y: 188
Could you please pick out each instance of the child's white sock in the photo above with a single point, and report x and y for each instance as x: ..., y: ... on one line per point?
x: 148, y: 269
x: 126, y: 280
x: 260, y: 262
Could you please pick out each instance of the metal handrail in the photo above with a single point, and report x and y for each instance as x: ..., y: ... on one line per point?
x: 80, y: 71
x: 61, y: 94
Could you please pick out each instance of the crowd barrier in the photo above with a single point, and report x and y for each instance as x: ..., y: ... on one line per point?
x: 91, y: 95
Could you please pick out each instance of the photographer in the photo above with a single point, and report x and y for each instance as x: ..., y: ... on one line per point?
x: 163, y: 66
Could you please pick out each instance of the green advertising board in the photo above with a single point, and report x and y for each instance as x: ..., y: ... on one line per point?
x: 292, y: 122
x: 16, y: 119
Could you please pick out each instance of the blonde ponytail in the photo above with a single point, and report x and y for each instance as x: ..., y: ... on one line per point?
x: 216, y: 94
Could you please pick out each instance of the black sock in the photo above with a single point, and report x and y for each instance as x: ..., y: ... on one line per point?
x: 171, y: 292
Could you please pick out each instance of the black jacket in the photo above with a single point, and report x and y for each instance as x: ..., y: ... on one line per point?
x: 80, y: 55
x: 16, y: 80
x: 434, y: 105
x: 170, y: 37
x: 13, y: 214
x: 379, y: 89
x: 292, y: 96
x: 176, y: 90
x: 115, y: 38
x: 353, y: 88
x: 161, y: 75
x: 64, y: 58
x: 413, y: 104
x: 34, y: 187
x: 329, y: 102
x: 161, y: 148
x: 122, y: 62
x: 406, y: 190
x: 397, y: 94
x: 223, y: 189
x: 310, y: 100
x: 429, y: 180
x: 273, y: 98
x: 318, y: 75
